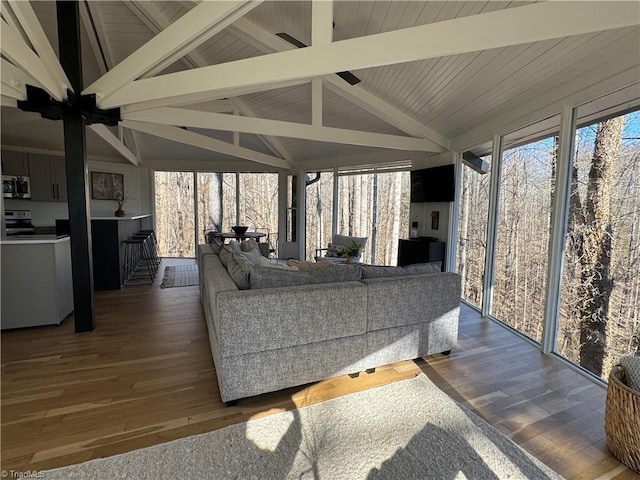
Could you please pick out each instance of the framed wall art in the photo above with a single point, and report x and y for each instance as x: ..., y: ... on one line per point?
x: 107, y: 186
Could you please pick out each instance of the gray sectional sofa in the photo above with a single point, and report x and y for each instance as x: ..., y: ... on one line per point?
x: 267, y: 339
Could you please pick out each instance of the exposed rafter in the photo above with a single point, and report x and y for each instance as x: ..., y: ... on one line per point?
x: 90, y: 16
x: 268, y: 43
x: 157, y: 21
x: 316, y: 102
x: 196, y: 26
x: 96, y: 36
x: 14, y: 80
x: 531, y: 23
x: 201, y: 141
x: 31, y: 26
x: 115, y: 142
x: 217, y: 121
x: 270, y: 142
x: 321, y: 22
x: 14, y: 48
x: 9, y: 101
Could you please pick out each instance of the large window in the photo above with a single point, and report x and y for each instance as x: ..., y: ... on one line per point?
x: 216, y: 202
x: 224, y: 200
x: 258, y: 203
x: 599, y: 314
x: 472, y: 231
x: 175, y: 216
x: 524, y: 214
x: 376, y: 206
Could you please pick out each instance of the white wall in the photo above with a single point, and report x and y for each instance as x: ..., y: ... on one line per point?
x: 136, y: 190
x: 421, y: 213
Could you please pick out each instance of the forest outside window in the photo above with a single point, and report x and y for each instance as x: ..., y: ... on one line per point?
x: 526, y: 187
x: 375, y: 205
x: 599, y: 315
x: 472, y: 231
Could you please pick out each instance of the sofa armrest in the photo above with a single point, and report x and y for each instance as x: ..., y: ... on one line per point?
x: 250, y: 321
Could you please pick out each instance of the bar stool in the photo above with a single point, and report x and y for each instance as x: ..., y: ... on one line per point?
x: 152, y: 259
x: 136, y: 254
x: 156, y: 245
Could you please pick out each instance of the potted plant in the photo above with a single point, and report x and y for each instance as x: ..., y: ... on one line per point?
x: 120, y: 201
x: 352, y: 251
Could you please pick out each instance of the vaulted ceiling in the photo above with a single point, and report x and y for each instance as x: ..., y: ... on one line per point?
x: 444, y: 74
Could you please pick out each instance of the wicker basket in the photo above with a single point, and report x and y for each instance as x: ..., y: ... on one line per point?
x: 622, y: 420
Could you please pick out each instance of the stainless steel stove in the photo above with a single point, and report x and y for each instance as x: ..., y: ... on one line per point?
x: 18, y: 222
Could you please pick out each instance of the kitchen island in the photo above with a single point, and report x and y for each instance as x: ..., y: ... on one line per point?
x: 107, y: 235
x: 37, y: 286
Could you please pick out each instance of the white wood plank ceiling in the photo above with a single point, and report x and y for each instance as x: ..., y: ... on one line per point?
x: 399, y: 103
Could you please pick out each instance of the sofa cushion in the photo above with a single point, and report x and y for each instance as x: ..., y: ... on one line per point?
x: 239, y: 268
x: 377, y: 271
x: 225, y: 255
x: 273, y: 278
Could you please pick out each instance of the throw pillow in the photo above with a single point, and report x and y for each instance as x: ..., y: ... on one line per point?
x: 239, y: 269
x: 225, y: 255
x: 248, y: 244
x: 263, y: 262
x: 377, y: 271
x: 305, y: 266
x: 631, y: 365
x: 334, y: 250
x: 235, y: 246
x: 251, y: 255
x: 273, y: 278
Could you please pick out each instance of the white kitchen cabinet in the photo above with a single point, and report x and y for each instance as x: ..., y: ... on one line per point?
x: 37, y: 286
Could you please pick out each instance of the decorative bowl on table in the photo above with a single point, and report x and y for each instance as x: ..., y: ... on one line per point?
x: 239, y: 229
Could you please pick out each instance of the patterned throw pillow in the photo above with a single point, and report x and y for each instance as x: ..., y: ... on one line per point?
x: 334, y: 250
x: 631, y: 365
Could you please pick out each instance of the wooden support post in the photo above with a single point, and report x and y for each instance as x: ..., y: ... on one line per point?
x: 76, y: 166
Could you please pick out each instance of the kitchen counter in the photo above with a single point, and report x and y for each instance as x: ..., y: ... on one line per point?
x: 33, y: 239
x: 126, y: 217
x: 36, y: 288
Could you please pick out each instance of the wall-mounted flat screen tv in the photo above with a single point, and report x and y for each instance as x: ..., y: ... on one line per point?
x: 435, y: 184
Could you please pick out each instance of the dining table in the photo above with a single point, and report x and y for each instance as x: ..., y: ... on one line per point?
x: 234, y: 236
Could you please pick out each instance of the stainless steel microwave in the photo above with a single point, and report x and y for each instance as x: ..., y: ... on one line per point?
x: 16, y: 186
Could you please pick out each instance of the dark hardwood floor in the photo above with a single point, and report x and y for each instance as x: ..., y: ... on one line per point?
x: 145, y: 376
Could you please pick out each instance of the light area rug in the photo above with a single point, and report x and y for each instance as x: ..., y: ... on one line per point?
x: 405, y: 430
x: 180, y: 276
